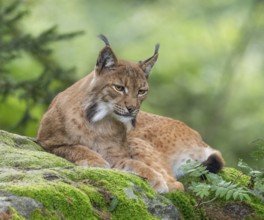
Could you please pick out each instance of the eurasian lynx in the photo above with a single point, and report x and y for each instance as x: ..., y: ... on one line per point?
x: 92, y: 124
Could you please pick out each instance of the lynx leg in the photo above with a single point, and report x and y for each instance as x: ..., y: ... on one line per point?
x: 173, y: 184
x: 81, y: 155
x: 155, y: 179
x: 141, y: 150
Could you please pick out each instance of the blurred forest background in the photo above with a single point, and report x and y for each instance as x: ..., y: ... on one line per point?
x: 210, y: 72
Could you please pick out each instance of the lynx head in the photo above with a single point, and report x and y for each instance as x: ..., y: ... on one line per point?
x: 118, y: 87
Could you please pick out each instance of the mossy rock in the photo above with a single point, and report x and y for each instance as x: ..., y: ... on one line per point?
x: 23, y: 153
x: 35, y: 184
x: 53, y: 188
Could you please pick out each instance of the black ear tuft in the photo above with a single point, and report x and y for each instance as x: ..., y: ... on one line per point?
x: 147, y: 64
x: 104, y: 39
x: 157, y: 46
x: 106, y: 56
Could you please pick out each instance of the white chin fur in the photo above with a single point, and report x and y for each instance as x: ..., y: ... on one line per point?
x: 125, y: 120
x: 102, y: 111
x: 105, y: 109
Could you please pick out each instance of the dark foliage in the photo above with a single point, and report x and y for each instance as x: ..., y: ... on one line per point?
x: 15, y: 44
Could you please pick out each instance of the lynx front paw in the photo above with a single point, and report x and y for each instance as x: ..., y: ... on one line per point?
x: 93, y: 163
x: 175, y: 185
x: 159, y: 185
x: 154, y: 178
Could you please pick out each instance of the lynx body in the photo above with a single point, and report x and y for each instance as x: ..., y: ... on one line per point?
x: 92, y: 123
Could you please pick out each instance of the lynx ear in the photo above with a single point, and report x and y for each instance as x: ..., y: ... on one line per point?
x: 106, y: 56
x: 147, y: 65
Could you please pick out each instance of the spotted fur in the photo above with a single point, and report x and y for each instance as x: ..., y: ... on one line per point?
x: 97, y: 122
x: 175, y: 143
x: 88, y: 122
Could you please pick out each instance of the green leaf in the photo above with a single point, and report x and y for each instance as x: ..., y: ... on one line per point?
x: 246, y: 196
x: 229, y: 194
x: 235, y: 195
x: 244, y: 165
x: 220, y: 192
x: 201, y: 190
x: 113, y: 203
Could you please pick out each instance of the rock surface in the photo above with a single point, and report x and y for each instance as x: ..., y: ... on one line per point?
x: 35, y: 184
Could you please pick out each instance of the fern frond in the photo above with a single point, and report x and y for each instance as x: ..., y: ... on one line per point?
x: 215, y: 185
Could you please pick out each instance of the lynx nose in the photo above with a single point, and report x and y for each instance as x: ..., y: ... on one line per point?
x: 130, y: 109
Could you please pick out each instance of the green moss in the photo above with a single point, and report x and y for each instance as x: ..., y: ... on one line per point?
x: 58, y: 198
x: 17, y: 141
x: 6, y: 139
x: 235, y: 176
x: 99, y: 200
x: 216, y: 208
x: 70, y: 192
x: 108, y: 178
x: 9, y: 175
x: 186, y: 205
x: 65, y: 191
x: 131, y: 210
x: 112, y: 184
x: 14, y: 214
x: 258, y: 207
x: 26, y: 159
x: 21, y: 152
x: 43, y: 214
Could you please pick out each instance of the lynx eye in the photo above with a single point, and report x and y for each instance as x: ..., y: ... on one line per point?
x: 142, y: 92
x: 119, y: 88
